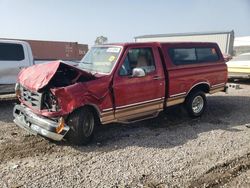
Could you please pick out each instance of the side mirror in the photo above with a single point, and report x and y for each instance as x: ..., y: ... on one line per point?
x: 227, y: 57
x: 138, y: 72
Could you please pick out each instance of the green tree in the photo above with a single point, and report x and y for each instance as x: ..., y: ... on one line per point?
x: 101, y: 40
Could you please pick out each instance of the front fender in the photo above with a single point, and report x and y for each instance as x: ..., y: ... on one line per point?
x: 70, y: 99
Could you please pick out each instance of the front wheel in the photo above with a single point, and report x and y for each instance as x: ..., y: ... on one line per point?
x: 82, y: 125
x: 196, y: 103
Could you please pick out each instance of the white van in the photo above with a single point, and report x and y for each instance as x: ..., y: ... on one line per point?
x: 14, y: 55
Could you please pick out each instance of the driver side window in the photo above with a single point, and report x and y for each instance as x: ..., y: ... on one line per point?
x: 138, y: 58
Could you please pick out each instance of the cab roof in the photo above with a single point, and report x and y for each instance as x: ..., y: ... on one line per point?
x: 158, y: 44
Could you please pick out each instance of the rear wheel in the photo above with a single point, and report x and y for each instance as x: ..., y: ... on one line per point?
x: 82, y: 125
x: 196, y: 103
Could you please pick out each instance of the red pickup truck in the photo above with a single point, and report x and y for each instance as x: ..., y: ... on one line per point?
x: 117, y: 83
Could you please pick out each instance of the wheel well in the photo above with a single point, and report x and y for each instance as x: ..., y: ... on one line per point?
x: 201, y: 87
x: 95, y: 112
x: 93, y: 109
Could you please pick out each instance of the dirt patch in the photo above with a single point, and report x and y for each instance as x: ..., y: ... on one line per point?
x: 171, y: 150
x: 146, y: 181
x: 223, y: 173
x: 29, y: 146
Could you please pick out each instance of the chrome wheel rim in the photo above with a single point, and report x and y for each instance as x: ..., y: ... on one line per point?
x: 197, y: 104
x: 88, y: 125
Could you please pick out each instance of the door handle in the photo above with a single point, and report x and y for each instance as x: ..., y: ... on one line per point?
x: 156, y: 77
x: 21, y: 67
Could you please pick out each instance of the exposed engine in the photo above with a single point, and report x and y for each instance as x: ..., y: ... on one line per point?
x: 66, y: 76
x: 50, y: 102
x: 39, y: 100
x: 43, y: 98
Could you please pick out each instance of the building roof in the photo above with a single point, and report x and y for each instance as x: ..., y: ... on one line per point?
x: 185, y: 34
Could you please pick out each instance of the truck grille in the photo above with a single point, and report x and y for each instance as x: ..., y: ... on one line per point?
x: 31, y: 98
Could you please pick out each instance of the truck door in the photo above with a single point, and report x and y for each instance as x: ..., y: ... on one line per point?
x: 139, y: 96
x: 12, y: 59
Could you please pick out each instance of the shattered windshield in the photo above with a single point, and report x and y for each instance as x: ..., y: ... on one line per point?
x: 100, y: 59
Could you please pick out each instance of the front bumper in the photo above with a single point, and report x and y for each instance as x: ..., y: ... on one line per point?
x: 26, y: 119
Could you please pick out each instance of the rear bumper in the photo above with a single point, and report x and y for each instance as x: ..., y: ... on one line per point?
x: 26, y: 119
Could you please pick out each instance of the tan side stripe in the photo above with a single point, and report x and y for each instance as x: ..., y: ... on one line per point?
x: 107, y: 109
x: 138, y: 110
x: 175, y: 98
x: 172, y: 102
x: 140, y: 115
x: 107, y: 113
x: 178, y: 95
x: 140, y: 103
x: 216, y: 90
x: 107, y: 117
x: 218, y: 85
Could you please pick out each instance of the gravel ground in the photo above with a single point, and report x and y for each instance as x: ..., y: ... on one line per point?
x: 169, y: 151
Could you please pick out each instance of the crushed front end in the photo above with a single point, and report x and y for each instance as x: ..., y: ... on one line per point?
x: 24, y: 117
x: 41, y: 111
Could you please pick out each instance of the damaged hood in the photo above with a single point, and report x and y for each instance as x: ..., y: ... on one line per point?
x: 38, y: 76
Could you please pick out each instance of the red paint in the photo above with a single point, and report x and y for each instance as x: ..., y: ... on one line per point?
x: 38, y: 76
x: 111, y: 91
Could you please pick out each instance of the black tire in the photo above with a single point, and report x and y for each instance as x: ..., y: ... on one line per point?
x: 196, y: 103
x: 82, y: 125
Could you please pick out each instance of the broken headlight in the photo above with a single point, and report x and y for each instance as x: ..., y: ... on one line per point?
x: 18, y: 90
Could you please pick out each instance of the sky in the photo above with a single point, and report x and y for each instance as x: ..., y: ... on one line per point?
x: 119, y: 20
